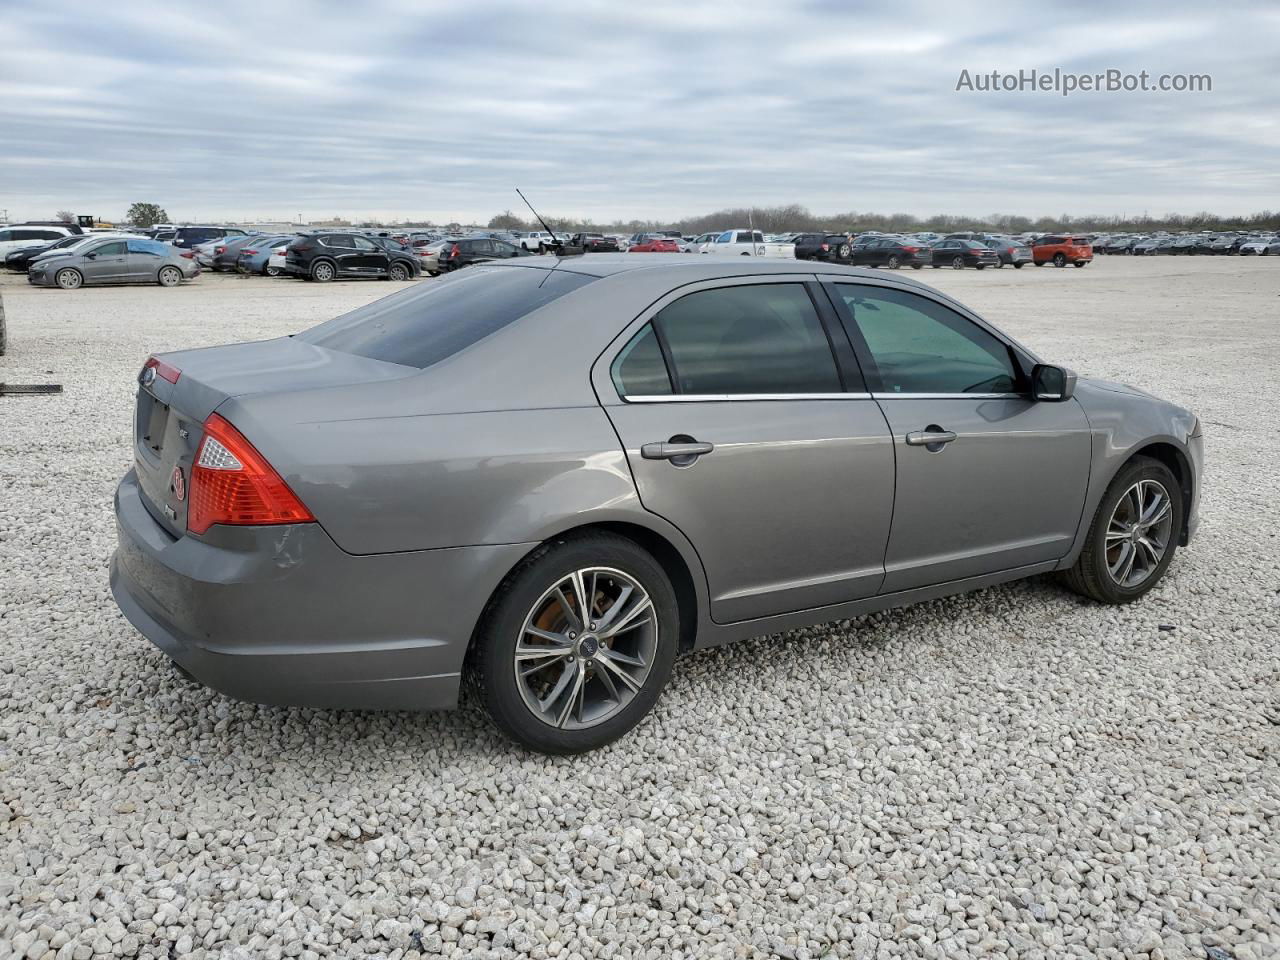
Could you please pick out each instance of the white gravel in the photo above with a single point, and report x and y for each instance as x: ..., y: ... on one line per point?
x: 1013, y: 773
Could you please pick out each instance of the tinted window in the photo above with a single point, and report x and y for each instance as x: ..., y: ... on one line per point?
x: 920, y: 346
x: 149, y: 248
x: 640, y: 370
x: 339, y: 240
x: 427, y: 323
x: 762, y: 338
x: 109, y: 249
x: 360, y: 243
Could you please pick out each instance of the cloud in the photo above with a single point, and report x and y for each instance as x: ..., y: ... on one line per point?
x: 401, y: 109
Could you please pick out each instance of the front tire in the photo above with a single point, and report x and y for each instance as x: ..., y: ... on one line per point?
x: 561, y: 683
x: 894, y: 262
x: 1059, y: 259
x: 69, y: 279
x: 398, y: 271
x: 1133, y: 536
x: 1018, y: 266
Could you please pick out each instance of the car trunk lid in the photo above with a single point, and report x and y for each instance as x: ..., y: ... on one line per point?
x: 178, y: 391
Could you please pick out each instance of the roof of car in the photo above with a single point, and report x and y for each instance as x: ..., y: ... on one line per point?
x: 695, y: 266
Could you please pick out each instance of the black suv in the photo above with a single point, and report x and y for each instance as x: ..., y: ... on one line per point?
x: 823, y: 246
x: 594, y: 243
x: 327, y: 256
x: 191, y: 236
x: 461, y: 253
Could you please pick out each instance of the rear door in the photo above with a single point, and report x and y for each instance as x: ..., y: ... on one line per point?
x: 746, y: 425
x: 987, y: 478
x: 145, y: 258
x: 342, y: 250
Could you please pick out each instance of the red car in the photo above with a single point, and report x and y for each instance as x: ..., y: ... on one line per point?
x: 1062, y: 250
x: 655, y: 245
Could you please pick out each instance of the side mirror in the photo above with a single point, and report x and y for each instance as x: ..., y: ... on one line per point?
x: 91, y: 256
x: 1052, y: 384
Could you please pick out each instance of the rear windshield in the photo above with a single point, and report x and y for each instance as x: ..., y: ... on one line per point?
x: 433, y: 320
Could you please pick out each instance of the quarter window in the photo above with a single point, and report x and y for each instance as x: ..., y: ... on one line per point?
x: 640, y: 370
x: 748, y: 339
x: 920, y: 346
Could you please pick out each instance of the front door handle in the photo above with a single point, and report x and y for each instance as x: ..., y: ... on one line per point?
x: 680, y: 453
x: 932, y: 437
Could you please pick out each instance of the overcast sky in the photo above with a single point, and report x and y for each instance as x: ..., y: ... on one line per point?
x: 267, y: 110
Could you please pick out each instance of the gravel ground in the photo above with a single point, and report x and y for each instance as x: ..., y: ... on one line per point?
x: 1016, y: 772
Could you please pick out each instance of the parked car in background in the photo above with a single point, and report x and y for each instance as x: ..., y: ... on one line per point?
x: 535, y: 241
x: 1260, y: 246
x: 826, y: 247
x: 18, y: 260
x: 226, y: 254
x: 20, y: 236
x: 113, y: 260
x: 428, y: 253
x: 749, y: 243
x: 331, y: 256
x: 276, y: 262
x: 892, y: 252
x: 963, y: 253
x: 255, y: 255
x: 1061, y: 250
x: 594, y: 243
x: 484, y: 477
x: 187, y: 237
x: 655, y: 244
x: 1010, y: 251
x: 456, y: 254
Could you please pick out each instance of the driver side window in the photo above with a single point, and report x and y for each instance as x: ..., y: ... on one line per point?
x: 920, y: 346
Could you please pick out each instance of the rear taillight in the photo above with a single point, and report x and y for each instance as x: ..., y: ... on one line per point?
x: 187, y: 255
x: 910, y: 249
x: 231, y: 483
x: 219, y: 249
x: 453, y: 252
x: 826, y: 247
x: 252, y: 253
x: 300, y: 247
x: 163, y: 370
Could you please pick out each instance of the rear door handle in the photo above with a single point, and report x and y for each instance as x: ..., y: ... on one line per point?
x: 675, y: 451
x: 930, y: 437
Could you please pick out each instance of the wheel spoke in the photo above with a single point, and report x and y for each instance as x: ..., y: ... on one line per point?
x: 628, y: 621
x: 574, y: 620
x: 613, y: 662
x: 575, y: 697
x: 584, y: 597
x: 615, y: 608
x: 567, y: 675
x: 1153, y: 552
x: 606, y: 679
x: 1157, y: 515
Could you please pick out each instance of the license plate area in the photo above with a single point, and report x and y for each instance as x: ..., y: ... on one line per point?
x: 153, y: 419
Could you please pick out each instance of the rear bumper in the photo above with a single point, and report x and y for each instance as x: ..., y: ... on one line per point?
x: 281, y: 615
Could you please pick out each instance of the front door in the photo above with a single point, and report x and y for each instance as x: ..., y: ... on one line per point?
x: 369, y: 259
x: 107, y: 263
x: 744, y: 431
x: 987, y: 478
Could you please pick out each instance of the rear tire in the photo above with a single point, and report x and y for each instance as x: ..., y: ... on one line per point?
x: 1059, y: 260
x: 844, y: 251
x: 169, y: 276
x: 894, y: 262
x: 323, y: 271
x: 1080, y: 263
x: 272, y: 271
x: 1018, y: 266
x: 69, y: 279
x: 526, y: 598
x: 1093, y: 576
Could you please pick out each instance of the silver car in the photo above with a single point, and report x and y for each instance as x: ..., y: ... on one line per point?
x: 114, y: 260
x: 558, y: 475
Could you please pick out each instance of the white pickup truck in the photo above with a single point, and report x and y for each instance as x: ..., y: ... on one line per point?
x: 748, y: 243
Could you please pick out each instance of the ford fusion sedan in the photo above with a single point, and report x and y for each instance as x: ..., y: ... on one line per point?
x: 118, y: 260
x: 557, y: 475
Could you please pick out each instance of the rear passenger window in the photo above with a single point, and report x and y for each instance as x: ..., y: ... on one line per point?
x: 749, y: 339
x: 640, y: 370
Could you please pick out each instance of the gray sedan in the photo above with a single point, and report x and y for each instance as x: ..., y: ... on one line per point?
x: 556, y: 476
x: 133, y: 260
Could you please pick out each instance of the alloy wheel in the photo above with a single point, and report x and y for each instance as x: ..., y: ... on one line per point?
x: 1139, y: 533
x: 69, y: 279
x: 586, y: 648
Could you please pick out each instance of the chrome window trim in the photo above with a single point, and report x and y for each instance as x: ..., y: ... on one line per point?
x: 723, y: 397
x: 951, y: 396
